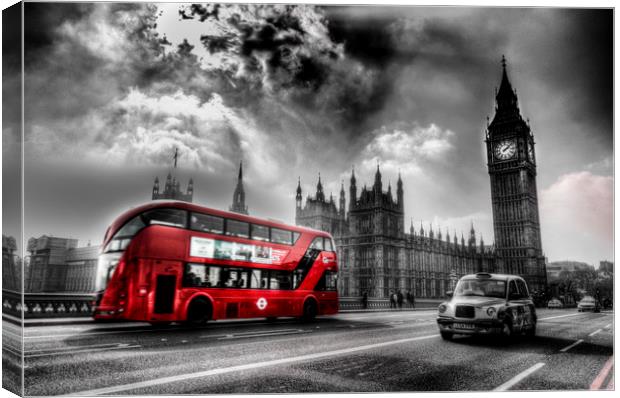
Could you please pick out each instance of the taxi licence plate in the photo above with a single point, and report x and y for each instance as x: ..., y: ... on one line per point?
x: 464, y: 326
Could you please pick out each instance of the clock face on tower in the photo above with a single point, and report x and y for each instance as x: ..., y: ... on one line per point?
x: 505, y: 149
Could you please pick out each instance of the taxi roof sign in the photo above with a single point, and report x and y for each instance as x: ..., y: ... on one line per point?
x: 483, y: 275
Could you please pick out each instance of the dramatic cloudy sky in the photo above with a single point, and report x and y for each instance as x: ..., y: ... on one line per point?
x: 112, y: 89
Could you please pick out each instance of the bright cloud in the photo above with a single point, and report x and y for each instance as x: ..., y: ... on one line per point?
x: 406, y: 147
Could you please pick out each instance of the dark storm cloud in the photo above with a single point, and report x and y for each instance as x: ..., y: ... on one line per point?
x: 313, y: 76
x: 583, y: 72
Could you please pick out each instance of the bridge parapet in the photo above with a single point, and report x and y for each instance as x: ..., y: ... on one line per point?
x: 47, y: 305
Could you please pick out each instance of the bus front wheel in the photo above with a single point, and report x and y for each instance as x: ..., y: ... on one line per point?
x: 199, y: 311
x: 310, y: 310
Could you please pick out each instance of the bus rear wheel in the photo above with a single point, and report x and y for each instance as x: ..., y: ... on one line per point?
x: 310, y: 310
x: 199, y: 311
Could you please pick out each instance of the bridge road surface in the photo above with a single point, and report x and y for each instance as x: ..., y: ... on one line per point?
x: 349, y: 352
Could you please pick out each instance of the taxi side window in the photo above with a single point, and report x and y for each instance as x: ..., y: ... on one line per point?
x: 523, y: 289
x: 513, y: 292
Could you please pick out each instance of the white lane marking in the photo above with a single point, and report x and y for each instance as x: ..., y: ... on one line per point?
x: 608, y: 326
x: 233, y: 336
x: 560, y: 316
x: 270, y: 331
x: 212, y: 372
x: 519, y: 377
x: 595, y: 332
x: 81, y: 351
x: 571, y: 346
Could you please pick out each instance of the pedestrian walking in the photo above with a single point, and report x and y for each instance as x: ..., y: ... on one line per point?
x: 365, y: 300
x: 392, y: 299
x: 399, y: 299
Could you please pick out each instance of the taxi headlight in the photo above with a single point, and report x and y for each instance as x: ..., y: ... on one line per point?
x: 490, y: 311
x: 442, y: 308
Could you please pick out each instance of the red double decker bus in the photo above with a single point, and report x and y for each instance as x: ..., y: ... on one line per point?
x: 178, y: 262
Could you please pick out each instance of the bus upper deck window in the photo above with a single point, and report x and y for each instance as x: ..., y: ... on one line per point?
x: 169, y: 217
x: 281, y: 236
x: 207, y: 223
x: 237, y: 228
x: 260, y: 232
x: 317, y: 243
x: 132, y: 227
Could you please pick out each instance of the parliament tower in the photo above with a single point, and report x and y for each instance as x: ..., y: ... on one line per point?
x: 172, y: 187
x: 511, y: 162
x: 238, y: 202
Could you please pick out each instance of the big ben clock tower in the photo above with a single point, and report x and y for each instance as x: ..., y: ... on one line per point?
x: 511, y: 161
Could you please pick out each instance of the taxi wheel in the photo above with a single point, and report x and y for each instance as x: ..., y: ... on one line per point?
x: 446, y: 335
x: 531, y: 332
x: 507, y: 329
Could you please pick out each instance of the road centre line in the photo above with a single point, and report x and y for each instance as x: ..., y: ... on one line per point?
x: 600, y: 378
x: 233, y: 336
x: 608, y: 326
x: 519, y: 377
x: 595, y: 332
x: 230, y: 369
x: 560, y: 316
x: 572, y: 345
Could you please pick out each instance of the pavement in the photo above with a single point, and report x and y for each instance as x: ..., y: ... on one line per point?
x: 387, y: 351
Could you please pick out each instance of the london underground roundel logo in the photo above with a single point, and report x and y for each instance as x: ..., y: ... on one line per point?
x: 261, y: 303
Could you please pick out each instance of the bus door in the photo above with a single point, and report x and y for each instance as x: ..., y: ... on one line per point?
x: 166, y: 276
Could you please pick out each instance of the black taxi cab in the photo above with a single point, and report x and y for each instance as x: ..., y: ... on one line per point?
x: 486, y: 303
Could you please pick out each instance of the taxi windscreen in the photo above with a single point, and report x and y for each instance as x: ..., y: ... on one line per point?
x: 481, y: 287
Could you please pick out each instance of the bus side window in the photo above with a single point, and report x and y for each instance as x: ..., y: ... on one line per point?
x: 207, y: 223
x: 328, y: 281
x: 281, y: 236
x: 283, y: 279
x: 260, y: 232
x: 240, y: 229
x: 264, y: 279
x: 169, y: 217
x: 255, y: 279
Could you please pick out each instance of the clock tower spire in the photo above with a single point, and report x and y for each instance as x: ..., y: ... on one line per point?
x: 512, y: 170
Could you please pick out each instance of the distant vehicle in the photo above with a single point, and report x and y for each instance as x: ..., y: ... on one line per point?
x: 485, y: 304
x: 179, y: 262
x: 587, y: 304
x: 555, y: 303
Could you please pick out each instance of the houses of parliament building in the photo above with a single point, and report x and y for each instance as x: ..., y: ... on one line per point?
x: 378, y: 256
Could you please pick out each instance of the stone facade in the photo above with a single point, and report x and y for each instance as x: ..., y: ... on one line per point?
x: 376, y: 255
